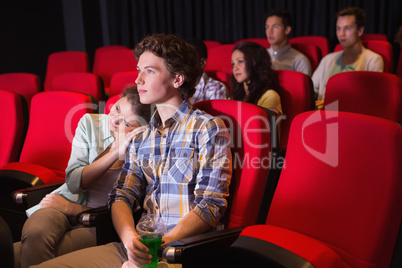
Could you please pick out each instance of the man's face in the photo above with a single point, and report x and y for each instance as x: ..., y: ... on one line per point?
x: 156, y: 85
x: 275, y: 31
x: 347, y: 32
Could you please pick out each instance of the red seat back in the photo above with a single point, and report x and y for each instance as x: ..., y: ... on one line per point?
x: 251, y: 146
x: 220, y: 58
x: 53, y: 119
x: 87, y: 83
x: 374, y: 36
x: 341, y: 185
x: 65, y: 62
x: 321, y: 41
x: 13, y: 124
x: 25, y: 84
x: 112, y: 61
x: 262, y: 41
x: 120, y: 81
x: 364, y: 92
x: 110, y: 102
x: 399, y: 67
x: 211, y: 43
x: 311, y: 51
x: 296, y: 97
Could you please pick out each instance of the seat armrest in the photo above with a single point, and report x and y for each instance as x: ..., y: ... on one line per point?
x: 102, y: 220
x: 201, y: 250
x: 253, y: 252
x: 33, y: 195
x: 88, y: 218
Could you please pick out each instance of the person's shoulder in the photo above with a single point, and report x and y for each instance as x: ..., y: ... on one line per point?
x: 270, y: 94
x: 370, y: 53
x: 205, y: 119
x: 331, y: 56
x: 200, y: 115
x: 214, y: 84
x: 297, y: 53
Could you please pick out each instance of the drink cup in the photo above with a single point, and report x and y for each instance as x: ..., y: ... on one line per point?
x: 151, y: 230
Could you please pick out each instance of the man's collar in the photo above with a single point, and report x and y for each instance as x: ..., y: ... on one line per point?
x: 179, y: 115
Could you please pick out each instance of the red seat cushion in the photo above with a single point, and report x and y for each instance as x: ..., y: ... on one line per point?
x: 317, y: 253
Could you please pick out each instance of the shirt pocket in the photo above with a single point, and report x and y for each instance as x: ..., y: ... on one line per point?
x: 149, y: 164
x: 181, y: 166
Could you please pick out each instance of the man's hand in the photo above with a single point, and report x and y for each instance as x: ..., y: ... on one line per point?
x: 137, y: 252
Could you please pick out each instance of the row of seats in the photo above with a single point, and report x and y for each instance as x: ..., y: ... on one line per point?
x: 108, y: 60
x: 116, y: 59
x: 314, y: 47
x: 377, y: 94
x: 28, y: 84
x: 323, y: 188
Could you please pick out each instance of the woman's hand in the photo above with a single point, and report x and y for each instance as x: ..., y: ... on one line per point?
x: 122, y: 139
x: 57, y: 202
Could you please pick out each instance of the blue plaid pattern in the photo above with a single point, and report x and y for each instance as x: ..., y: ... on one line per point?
x: 209, y: 89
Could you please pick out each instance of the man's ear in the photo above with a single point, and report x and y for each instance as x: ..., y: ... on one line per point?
x: 178, y: 80
x: 288, y: 29
x: 361, y: 31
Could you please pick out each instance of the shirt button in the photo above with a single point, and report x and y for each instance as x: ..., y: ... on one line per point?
x: 185, y: 155
x: 164, y: 136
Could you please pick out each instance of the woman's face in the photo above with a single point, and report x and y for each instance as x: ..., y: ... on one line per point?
x: 239, y: 66
x: 122, y: 118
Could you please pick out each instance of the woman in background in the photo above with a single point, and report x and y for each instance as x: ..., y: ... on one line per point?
x: 253, y: 80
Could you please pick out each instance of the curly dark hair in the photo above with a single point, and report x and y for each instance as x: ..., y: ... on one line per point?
x: 261, y: 76
x: 180, y: 58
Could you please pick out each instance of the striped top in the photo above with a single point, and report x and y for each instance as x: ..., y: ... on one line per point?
x: 182, y: 166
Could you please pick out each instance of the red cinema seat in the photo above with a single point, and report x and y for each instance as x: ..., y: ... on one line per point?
x: 53, y: 119
x: 110, y: 102
x: 87, y: 83
x: 374, y: 36
x: 296, y: 94
x: 262, y: 41
x: 121, y: 81
x: 109, y: 62
x: 211, y: 43
x: 337, y: 203
x: 25, y: 84
x: 220, y: 58
x: 311, y: 51
x: 65, y: 62
x: 371, y: 93
x: 321, y: 41
x: 13, y: 126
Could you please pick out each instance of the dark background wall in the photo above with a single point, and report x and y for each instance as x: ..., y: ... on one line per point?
x: 31, y: 30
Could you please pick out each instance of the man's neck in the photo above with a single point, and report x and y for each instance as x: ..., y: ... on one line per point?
x: 351, y: 54
x: 283, y: 44
x: 166, y: 110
